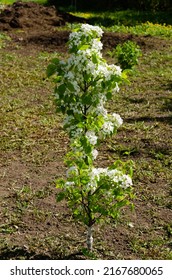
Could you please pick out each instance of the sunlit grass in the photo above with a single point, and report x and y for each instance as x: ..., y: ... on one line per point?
x: 138, y: 23
x: 147, y: 28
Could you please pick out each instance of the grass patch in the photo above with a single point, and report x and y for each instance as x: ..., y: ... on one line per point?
x: 145, y: 29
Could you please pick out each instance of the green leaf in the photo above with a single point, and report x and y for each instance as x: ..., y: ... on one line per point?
x: 122, y: 203
x: 52, y: 67
x: 109, y: 95
x: 60, y: 196
x: 57, y: 79
x: 63, y: 109
x: 70, y: 86
x: 84, y: 141
x: 86, y: 100
x: 59, y: 183
x: 94, y: 59
x: 69, y: 112
x: 55, y: 61
x: 86, y: 77
x: 84, y: 47
x: 61, y: 89
x: 51, y: 70
x: 89, y: 160
x: 114, y: 214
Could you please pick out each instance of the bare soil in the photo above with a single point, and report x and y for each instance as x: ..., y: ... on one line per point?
x: 33, y: 225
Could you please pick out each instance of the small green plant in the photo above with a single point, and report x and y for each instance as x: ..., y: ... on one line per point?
x: 127, y: 54
x: 84, y: 83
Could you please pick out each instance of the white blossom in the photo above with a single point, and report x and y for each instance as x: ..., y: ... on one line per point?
x: 94, y: 154
x: 96, y: 172
x: 87, y: 29
x: 116, y: 119
x: 101, y: 110
x: 117, y: 69
x: 97, y: 45
x: 116, y: 89
x: 115, y: 176
x: 91, y: 136
x: 108, y: 127
x: 126, y: 182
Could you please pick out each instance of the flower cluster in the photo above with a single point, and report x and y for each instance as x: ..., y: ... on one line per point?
x: 98, y: 176
x: 88, y: 35
x: 86, y: 82
x: 115, y: 178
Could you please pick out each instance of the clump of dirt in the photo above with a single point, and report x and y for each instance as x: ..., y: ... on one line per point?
x: 32, y: 15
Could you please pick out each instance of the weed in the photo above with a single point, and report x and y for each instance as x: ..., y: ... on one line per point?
x: 127, y: 54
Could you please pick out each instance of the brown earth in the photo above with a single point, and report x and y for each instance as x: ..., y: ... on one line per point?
x: 47, y: 231
x: 30, y: 15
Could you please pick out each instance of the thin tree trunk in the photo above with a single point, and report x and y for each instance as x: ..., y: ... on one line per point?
x: 89, y: 239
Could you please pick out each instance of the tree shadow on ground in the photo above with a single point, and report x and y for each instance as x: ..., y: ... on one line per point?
x: 165, y: 119
x: 17, y: 253
x: 167, y: 104
x: 130, y: 18
x: 167, y: 100
x: 168, y: 86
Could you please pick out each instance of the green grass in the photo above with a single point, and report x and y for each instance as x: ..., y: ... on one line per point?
x: 25, y: 77
x: 145, y: 29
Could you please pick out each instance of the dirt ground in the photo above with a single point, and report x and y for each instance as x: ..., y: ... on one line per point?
x: 47, y: 232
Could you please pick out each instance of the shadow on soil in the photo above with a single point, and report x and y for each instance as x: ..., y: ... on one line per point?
x: 17, y: 253
x: 132, y: 18
x: 167, y: 119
